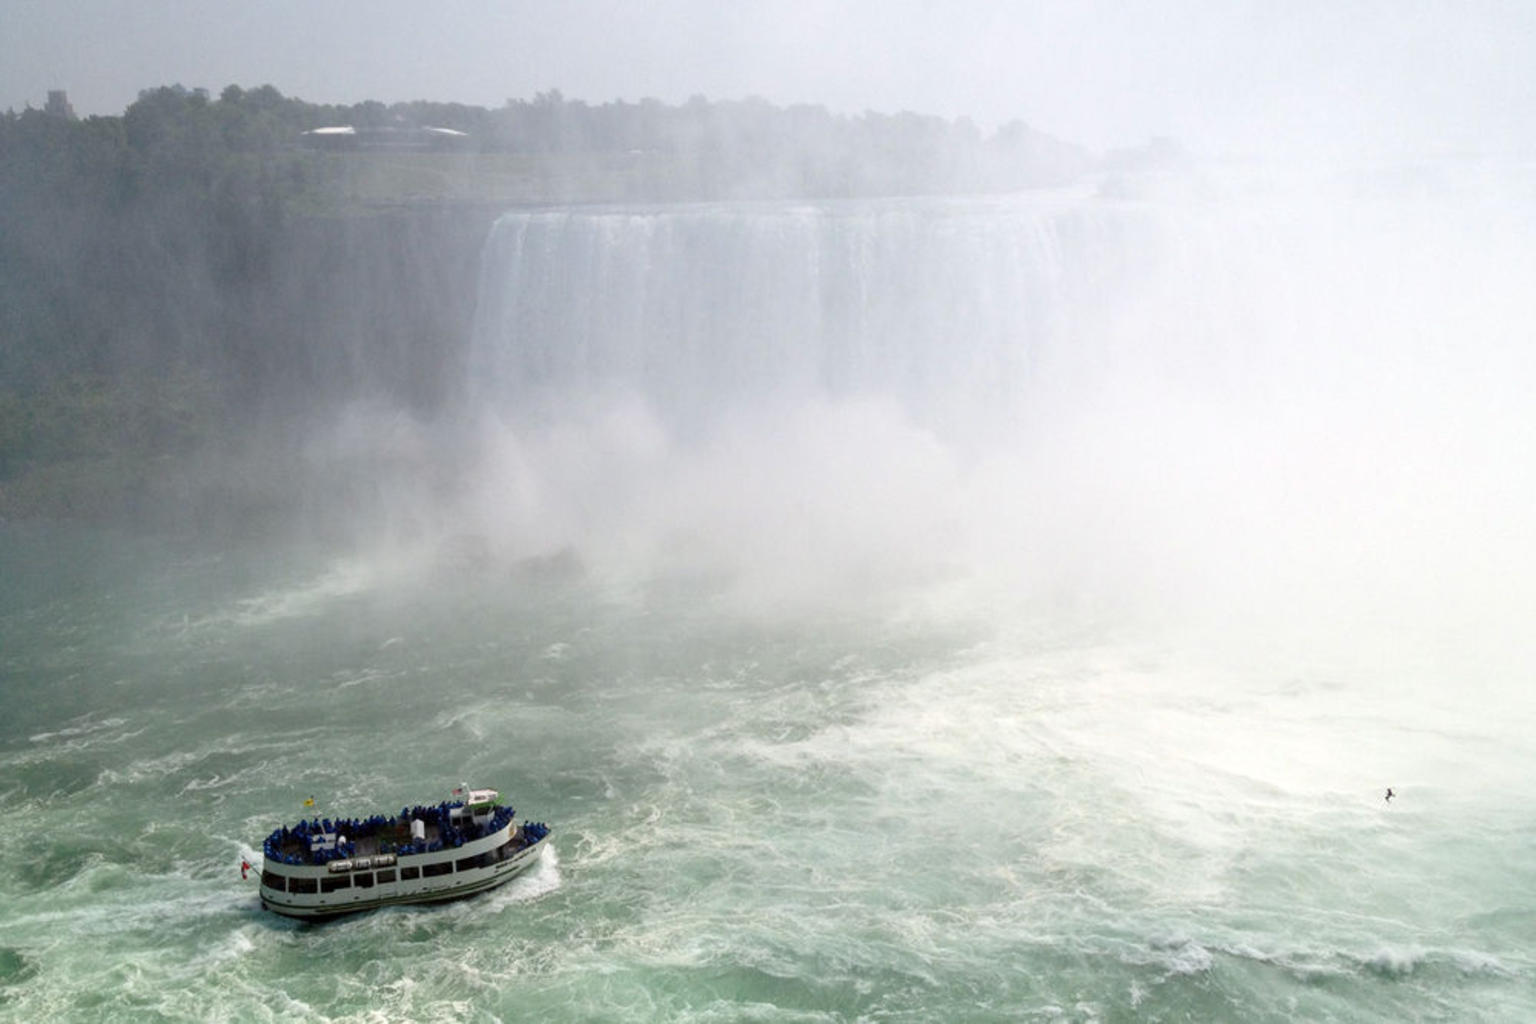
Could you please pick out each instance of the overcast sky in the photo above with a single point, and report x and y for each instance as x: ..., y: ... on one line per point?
x: 1222, y: 77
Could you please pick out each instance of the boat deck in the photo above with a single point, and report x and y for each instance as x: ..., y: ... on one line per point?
x: 444, y: 826
x: 386, y: 839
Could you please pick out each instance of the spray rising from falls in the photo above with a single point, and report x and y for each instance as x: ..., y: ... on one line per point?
x: 1165, y: 403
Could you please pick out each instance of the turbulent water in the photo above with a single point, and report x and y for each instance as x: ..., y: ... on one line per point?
x: 1004, y: 609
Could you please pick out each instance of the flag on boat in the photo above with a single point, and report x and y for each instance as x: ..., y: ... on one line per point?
x: 245, y: 867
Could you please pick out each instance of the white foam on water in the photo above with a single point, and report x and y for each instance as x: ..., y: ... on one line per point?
x: 83, y: 727
x: 343, y: 579
x: 364, y: 677
x: 72, y: 747
x: 540, y: 880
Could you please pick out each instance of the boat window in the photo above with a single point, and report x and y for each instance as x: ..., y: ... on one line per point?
x: 385, y: 877
x: 301, y: 885
x: 435, y: 870
x: 274, y: 881
x: 469, y: 863
x: 331, y: 883
x: 409, y: 874
x: 363, y: 880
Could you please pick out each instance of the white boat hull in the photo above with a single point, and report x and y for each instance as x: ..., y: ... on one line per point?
x: 345, y: 887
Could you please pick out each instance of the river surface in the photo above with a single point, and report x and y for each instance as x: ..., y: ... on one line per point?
x: 908, y: 812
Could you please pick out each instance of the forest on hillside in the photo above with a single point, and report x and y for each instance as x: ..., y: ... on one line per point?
x: 174, y: 274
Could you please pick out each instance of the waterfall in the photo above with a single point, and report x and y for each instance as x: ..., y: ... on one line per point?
x: 1295, y: 401
x: 945, y: 306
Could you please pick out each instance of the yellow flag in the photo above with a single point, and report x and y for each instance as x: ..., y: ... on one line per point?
x: 309, y: 802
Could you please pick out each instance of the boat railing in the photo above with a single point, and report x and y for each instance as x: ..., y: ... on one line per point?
x: 321, y: 840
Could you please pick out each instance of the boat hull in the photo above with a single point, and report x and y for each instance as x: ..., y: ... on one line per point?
x: 311, y: 892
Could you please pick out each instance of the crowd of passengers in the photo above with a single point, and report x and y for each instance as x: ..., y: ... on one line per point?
x: 325, y: 840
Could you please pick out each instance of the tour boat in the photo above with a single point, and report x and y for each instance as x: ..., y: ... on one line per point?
x: 463, y: 846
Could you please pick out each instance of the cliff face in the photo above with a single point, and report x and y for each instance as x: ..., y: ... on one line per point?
x: 360, y: 306
x: 193, y: 353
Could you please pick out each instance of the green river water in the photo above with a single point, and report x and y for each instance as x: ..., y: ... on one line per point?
x: 904, y: 813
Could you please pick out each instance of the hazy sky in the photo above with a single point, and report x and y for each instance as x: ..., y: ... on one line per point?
x: 1221, y: 75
